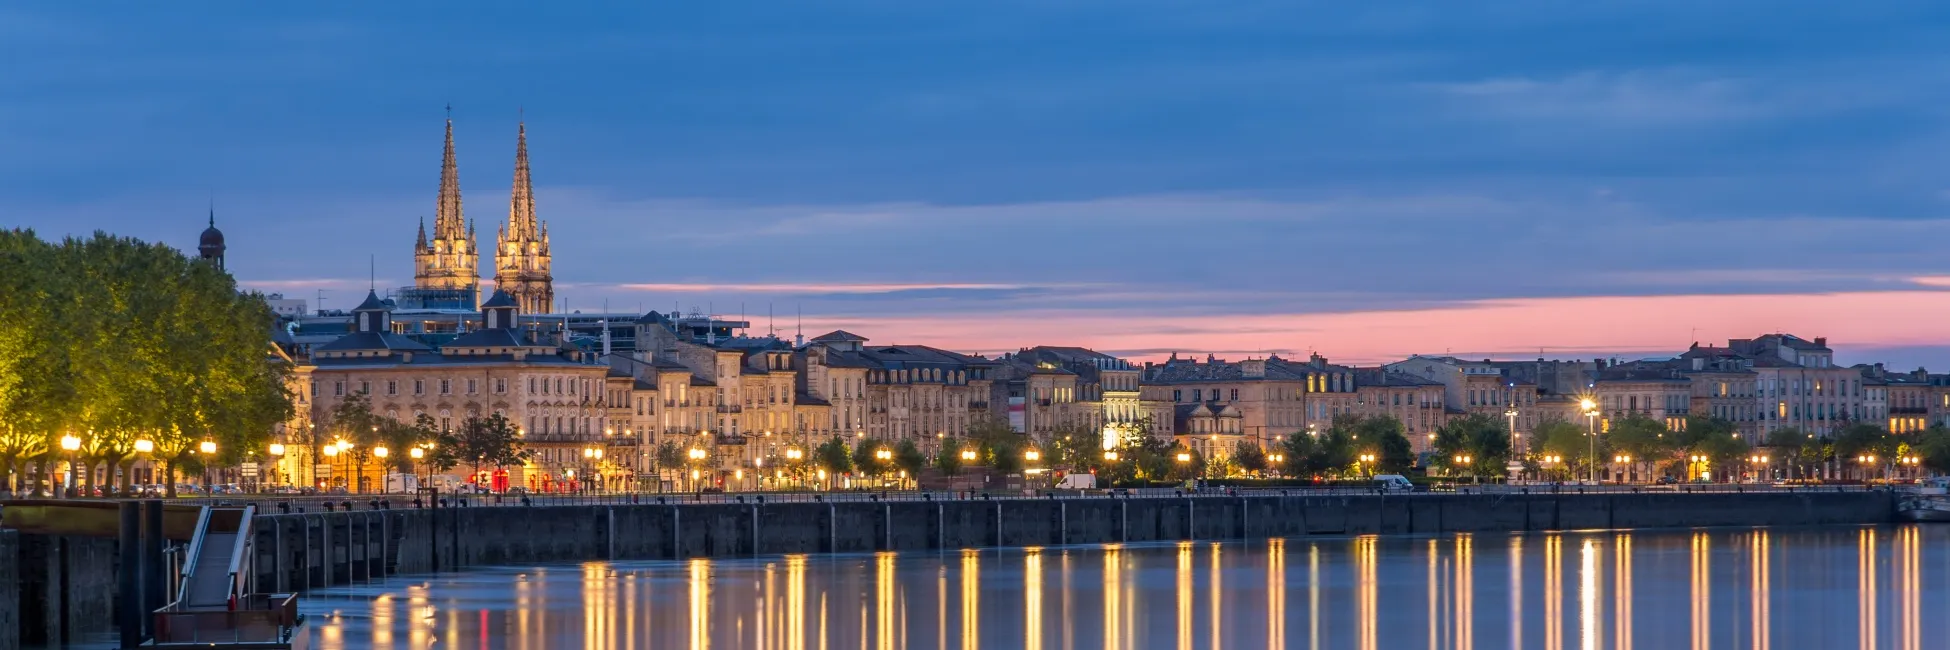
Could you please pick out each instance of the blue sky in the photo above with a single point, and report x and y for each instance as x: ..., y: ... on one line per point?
x: 1365, y: 179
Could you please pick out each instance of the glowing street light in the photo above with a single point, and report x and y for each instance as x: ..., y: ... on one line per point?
x: 277, y: 449
x: 1184, y: 457
x: 379, y: 451
x: 883, y: 454
x: 1032, y: 455
x: 794, y: 454
x: 207, y: 447
x: 1110, y: 456
x: 968, y: 454
x: 697, y: 454
x: 417, y: 453
x: 331, y: 450
x: 145, y: 446
x: 70, y: 443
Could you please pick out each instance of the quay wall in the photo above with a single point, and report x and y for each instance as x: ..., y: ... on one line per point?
x: 301, y: 551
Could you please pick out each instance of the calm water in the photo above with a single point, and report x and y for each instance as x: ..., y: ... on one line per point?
x: 1795, y: 588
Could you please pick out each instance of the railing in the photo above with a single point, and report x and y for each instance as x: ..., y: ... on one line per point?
x: 1000, y: 493
x: 261, y: 618
x: 240, y: 558
x: 188, y: 560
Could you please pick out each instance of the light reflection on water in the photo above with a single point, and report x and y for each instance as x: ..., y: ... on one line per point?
x: 1698, y: 589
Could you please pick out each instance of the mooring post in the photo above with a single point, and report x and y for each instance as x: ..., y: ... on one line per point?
x: 128, y: 587
x: 155, y: 578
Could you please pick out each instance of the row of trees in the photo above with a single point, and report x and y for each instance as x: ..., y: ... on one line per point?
x: 1652, y: 448
x: 481, y: 442
x: 111, y: 340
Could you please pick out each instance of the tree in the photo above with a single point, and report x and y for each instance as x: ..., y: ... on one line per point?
x: 1383, y: 437
x: 669, y: 456
x: 947, y: 459
x: 1249, y: 457
x: 490, y: 441
x: 833, y: 456
x: 1861, y: 441
x: 1076, y: 447
x: 910, y: 459
x: 1477, y: 444
x: 865, y: 460
x: 1568, y: 442
x: 1191, y: 466
x: 1642, y: 438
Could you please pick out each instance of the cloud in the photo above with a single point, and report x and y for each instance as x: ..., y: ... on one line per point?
x: 814, y: 288
x: 1645, y: 98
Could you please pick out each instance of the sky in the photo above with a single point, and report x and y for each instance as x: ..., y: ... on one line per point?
x: 1364, y: 180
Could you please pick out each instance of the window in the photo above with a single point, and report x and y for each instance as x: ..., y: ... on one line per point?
x: 338, y: 389
x: 470, y: 387
x: 1235, y: 394
x: 419, y: 387
x: 365, y: 388
x: 446, y: 386
x: 392, y: 387
x: 500, y: 385
x: 1198, y: 394
x: 1178, y: 396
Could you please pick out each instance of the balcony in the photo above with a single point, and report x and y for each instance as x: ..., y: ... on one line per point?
x: 730, y: 408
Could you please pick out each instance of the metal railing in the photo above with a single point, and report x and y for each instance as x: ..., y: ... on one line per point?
x: 240, y: 558
x: 261, y: 618
x: 408, y: 501
x: 187, y: 562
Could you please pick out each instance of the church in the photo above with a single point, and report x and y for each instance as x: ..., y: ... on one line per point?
x: 446, y: 267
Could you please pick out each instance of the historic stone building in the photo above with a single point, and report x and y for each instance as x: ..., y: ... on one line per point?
x: 554, y: 396
x: 448, y: 262
x: 1274, y: 397
x: 521, y: 257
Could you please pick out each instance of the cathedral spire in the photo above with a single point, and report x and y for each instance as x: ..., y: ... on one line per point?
x: 521, y: 204
x: 448, y: 261
x: 447, y: 222
x: 521, y: 258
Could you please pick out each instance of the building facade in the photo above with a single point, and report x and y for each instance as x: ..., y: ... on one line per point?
x: 521, y: 255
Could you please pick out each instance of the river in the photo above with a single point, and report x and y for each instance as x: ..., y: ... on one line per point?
x: 1781, y: 588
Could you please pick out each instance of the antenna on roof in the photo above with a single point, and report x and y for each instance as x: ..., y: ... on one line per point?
x: 372, y: 272
x: 799, y: 334
x: 771, y: 323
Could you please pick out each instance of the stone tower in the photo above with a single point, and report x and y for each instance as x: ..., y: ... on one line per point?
x: 449, y: 261
x: 521, y: 259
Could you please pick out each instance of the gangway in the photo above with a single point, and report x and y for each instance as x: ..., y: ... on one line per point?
x: 214, y: 605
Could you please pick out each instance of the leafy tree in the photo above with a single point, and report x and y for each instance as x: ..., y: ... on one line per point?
x: 1642, y: 438
x: 864, y: 460
x: 1076, y: 447
x: 490, y: 441
x: 833, y: 456
x: 947, y: 459
x: 1799, y: 450
x: 910, y: 459
x: 1570, y: 443
x: 1483, y: 439
x: 1382, y: 436
x: 1183, y: 470
x: 1249, y: 457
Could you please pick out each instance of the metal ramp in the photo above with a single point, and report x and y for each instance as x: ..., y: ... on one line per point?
x: 215, y: 605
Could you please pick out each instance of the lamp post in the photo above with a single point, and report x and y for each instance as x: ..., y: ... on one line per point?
x: 70, y: 444
x: 697, y: 456
x: 1591, y: 429
x: 207, y: 448
x: 277, y: 458
x: 1464, y: 461
x: 146, y: 446
x: 593, y: 457
x: 331, y: 461
x: 1621, y: 459
x: 1364, y: 460
x: 380, y: 452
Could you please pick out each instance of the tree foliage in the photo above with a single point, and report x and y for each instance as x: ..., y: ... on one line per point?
x: 115, y: 340
x: 490, y: 441
x: 1477, y: 444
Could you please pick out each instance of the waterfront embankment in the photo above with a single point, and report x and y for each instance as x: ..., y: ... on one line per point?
x: 70, y: 581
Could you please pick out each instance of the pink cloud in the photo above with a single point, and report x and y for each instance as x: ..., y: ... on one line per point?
x: 1513, y: 327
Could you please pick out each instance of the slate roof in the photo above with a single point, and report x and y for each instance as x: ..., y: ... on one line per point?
x: 372, y: 341
x: 499, y: 299
x: 491, y: 338
x: 837, y: 336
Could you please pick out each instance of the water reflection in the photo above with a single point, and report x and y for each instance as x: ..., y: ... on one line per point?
x: 1700, y: 589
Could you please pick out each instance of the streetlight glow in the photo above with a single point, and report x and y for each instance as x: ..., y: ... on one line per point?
x: 1110, y: 456
x: 1032, y: 455
x: 277, y: 449
x: 417, y: 453
x: 144, y: 446
x: 70, y: 443
x: 1184, y: 458
x: 968, y: 454
x: 207, y: 447
x: 379, y: 451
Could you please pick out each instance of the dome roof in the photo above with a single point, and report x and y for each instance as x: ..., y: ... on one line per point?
x: 211, y: 237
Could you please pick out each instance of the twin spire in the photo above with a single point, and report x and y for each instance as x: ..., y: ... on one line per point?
x: 450, y: 261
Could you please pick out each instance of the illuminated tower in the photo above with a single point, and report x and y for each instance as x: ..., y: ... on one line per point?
x: 521, y: 259
x: 449, y: 261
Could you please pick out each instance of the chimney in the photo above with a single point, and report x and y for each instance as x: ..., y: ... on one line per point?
x: 1821, y: 341
x: 1254, y: 368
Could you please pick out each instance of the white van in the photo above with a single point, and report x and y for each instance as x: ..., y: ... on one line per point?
x: 1393, y: 483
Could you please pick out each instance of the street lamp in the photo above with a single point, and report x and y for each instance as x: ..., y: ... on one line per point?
x: 968, y: 454
x: 1184, y: 457
x: 70, y: 444
x: 1032, y: 455
x: 1591, y: 424
x: 1110, y: 455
